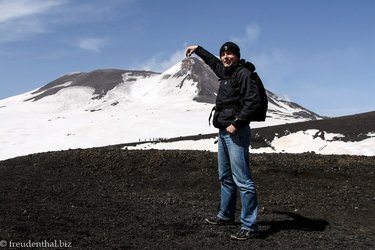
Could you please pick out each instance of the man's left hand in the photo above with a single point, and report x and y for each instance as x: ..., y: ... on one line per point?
x: 231, y: 129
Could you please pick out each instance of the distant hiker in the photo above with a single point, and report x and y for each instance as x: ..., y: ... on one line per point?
x: 236, y: 102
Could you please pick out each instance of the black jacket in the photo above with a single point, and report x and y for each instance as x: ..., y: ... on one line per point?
x: 237, y: 98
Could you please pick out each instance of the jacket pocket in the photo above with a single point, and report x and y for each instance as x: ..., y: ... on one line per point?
x: 223, y: 118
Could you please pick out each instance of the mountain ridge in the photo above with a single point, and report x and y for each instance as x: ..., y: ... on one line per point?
x: 102, y: 80
x: 110, y: 106
x: 190, y: 69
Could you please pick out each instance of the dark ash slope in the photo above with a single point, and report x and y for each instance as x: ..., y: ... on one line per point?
x: 111, y: 198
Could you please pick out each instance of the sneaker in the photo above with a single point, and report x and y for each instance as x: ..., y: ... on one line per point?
x: 217, y: 221
x: 244, y: 234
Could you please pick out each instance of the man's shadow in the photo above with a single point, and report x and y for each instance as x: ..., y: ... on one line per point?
x: 298, y: 222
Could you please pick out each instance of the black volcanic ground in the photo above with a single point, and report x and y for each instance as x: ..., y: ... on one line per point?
x: 113, y: 198
x: 105, y: 198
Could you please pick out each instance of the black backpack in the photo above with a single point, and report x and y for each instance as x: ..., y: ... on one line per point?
x: 260, y: 115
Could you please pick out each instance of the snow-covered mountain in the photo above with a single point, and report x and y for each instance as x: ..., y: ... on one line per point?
x: 110, y: 106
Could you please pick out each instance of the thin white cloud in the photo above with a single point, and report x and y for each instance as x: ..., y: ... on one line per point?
x: 92, y: 44
x: 21, y: 18
x: 159, y: 63
x: 16, y: 9
x: 251, y: 35
x: 20, y: 29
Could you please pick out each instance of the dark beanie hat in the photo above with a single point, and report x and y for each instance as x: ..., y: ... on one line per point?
x: 231, y: 47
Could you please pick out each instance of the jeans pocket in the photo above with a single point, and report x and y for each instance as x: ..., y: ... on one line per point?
x: 242, y: 137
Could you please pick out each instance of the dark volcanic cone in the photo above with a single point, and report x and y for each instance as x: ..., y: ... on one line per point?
x: 102, y: 80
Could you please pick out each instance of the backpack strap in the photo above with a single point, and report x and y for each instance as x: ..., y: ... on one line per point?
x: 209, y: 118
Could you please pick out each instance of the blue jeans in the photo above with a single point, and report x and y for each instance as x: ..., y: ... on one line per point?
x: 234, y: 171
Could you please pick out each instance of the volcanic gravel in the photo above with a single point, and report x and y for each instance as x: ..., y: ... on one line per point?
x: 111, y: 198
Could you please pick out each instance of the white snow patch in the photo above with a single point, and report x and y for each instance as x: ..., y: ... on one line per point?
x: 299, y: 142
x: 206, y: 144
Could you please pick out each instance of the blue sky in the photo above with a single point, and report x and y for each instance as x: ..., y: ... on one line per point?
x: 317, y: 53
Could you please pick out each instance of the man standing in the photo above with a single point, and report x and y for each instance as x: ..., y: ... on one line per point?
x: 236, y: 102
